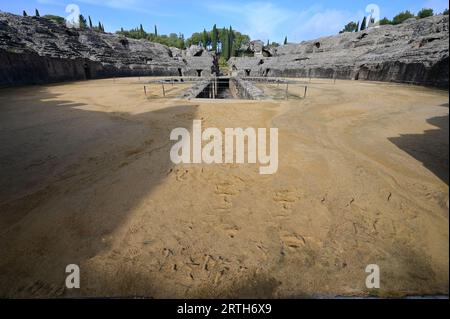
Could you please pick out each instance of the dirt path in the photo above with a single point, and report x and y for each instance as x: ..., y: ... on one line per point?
x: 86, y: 179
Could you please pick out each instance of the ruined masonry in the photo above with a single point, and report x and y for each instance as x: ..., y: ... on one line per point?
x: 39, y: 50
x: 415, y: 51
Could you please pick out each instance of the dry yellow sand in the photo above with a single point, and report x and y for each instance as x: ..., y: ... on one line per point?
x: 86, y: 179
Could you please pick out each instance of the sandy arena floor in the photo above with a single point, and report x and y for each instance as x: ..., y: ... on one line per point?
x: 86, y: 179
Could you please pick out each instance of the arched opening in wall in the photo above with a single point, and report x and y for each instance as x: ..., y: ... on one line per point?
x: 180, y: 73
x: 357, y: 76
x: 124, y: 42
x: 266, y: 72
x: 266, y: 54
x: 234, y: 68
x: 261, y: 62
x: 317, y: 45
x: 87, y: 72
x: 199, y: 73
x: 247, y: 72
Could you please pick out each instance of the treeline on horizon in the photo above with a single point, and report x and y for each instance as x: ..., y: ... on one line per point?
x: 84, y: 24
x: 223, y: 41
x: 227, y: 42
x: 398, y: 19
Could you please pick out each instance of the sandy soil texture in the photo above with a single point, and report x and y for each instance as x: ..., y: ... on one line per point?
x: 86, y: 179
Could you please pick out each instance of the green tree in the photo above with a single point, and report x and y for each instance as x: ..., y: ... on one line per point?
x: 205, y: 38
x: 37, y: 13
x: 90, y: 22
x: 25, y: 13
x: 232, y: 43
x: 54, y: 18
x: 445, y: 12
x: 225, y: 40
x: 401, y: 17
x: 214, y: 38
x: 82, y: 21
x: 285, y: 40
x: 181, y: 43
x: 425, y: 13
x: 357, y: 27
x: 350, y: 27
x: 364, y: 24
x: 240, y: 40
x: 385, y: 21
x: 156, y: 31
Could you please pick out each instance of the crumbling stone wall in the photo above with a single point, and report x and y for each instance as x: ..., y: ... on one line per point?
x: 245, y: 90
x: 416, y: 51
x: 39, y: 50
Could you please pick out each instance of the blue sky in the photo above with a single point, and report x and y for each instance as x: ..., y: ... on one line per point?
x: 297, y: 19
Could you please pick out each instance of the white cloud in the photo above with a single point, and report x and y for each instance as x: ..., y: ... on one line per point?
x: 265, y: 20
x: 140, y: 6
x: 260, y: 20
x: 313, y: 24
x: 437, y: 5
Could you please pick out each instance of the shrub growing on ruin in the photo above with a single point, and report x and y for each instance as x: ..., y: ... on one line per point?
x: 425, y: 13
x: 350, y: 27
x: 57, y: 19
x: 385, y: 21
x: 402, y: 17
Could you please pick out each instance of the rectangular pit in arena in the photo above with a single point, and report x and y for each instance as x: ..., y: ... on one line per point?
x: 246, y: 89
x: 224, y: 88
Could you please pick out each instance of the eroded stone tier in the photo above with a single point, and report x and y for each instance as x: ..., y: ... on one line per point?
x: 39, y: 50
x: 415, y: 51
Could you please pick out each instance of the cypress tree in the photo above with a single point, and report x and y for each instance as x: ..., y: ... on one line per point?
x: 82, y: 21
x: 285, y: 40
x: 25, y: 13
x: 225, y: 44
x: 37, y: 13
x: 357, y: 27
x: 90, y: 22
x: 364, y: 24
x: 232, y: 43
x: 205, y: 39
x: 214, y: 38
x: 156, y: 31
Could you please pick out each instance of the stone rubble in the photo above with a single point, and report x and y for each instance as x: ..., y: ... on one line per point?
x: 416, y: 51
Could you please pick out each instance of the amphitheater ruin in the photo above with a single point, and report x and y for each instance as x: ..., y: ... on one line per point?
x: 86, y: 176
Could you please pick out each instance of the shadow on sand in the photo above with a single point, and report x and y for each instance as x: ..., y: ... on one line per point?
x: 69, y: 178
x: 431, y: 147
